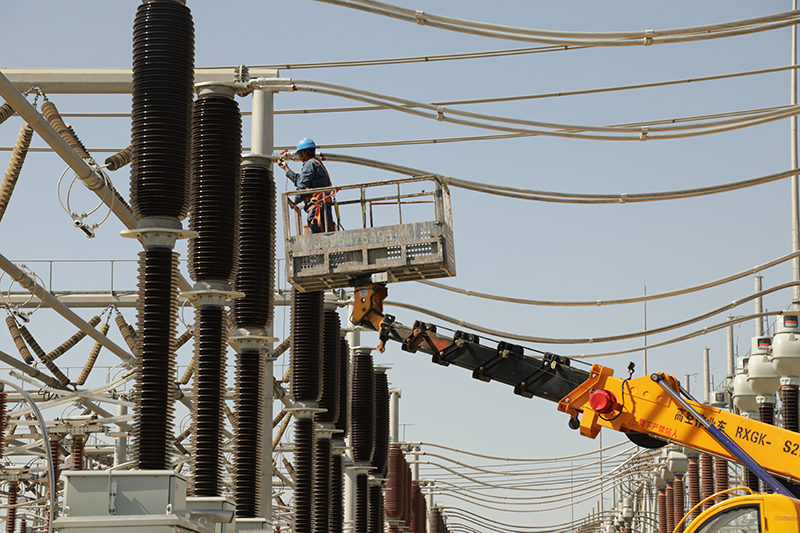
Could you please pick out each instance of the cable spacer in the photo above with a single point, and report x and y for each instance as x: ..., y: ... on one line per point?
x: 420, y: 16
x: 643, y: 135
x: 623, y: 197
x: 648, y: 37
x: 440, y: 113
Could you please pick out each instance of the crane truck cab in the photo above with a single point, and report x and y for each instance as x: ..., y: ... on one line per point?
x: 754, y: 513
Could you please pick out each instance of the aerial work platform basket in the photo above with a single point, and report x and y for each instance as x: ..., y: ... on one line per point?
x: 401, y: 227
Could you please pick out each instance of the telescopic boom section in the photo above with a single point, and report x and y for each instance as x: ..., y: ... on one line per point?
x: 641, y: 407
x: 550, y: 377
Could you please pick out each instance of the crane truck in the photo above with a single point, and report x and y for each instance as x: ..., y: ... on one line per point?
x: 651, y: 411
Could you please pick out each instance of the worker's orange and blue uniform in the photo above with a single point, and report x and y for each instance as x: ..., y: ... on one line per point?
x: 312, y: 176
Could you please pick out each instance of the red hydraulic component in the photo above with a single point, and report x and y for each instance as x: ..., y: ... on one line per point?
x: 603, y: 402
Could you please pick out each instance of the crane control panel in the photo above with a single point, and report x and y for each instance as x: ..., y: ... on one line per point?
x: 399, y: 227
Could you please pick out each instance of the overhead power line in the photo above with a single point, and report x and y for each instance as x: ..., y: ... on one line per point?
x: 567, y: 38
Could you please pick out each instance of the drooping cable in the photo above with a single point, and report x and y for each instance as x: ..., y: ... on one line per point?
x: 630, y: 38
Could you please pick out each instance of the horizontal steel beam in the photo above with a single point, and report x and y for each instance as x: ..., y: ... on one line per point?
x: 107, y: 80
x: 102, y: 299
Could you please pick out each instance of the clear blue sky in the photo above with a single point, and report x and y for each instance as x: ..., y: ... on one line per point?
x: 503, y: 246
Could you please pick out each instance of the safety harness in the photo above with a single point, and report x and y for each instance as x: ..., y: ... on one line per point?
x: 319, y: 199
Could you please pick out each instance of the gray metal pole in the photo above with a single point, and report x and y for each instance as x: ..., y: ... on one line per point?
x: 759, y: 320
x: 394, y: 415
x: 121, y: 443
x: 706, y: 376
x: 795, y: 194
x: 354, y: 339
x: 261, y: 143
x: 731, y: 356
x: 686, y: 382
x: 644, y: 320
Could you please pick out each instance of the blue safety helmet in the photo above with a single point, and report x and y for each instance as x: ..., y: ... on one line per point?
x: 305, y: 143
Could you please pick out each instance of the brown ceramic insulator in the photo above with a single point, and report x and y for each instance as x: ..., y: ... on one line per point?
x: 281, y: 430
x: 331, y: 352
x: 23, y: 525
x: 406, y: 514
x: 362, y: 408
x: 78, y: 448
x: 789, y: 395
x: 304, y: 446
x: 661, y: 502
x: 18, y: 340
x: 156, y: 307
x: 120, y: 159
x: 362, y: 503
x: 693, y: 473
x: 56, y: 372
x: 415, y: 510
x: 249, y: 432
x: 189, y: 372
x: 720, y: 477
x: 54, y: 118
x: 766, y: 413
x: 216, y: 158
x: 5, y: 111
x: 393, y: 528
x: 55, y: 457
x: 127, y: 332
x: 436, y: 520
x: 11, y: 513
x: 70, y: 342
x: 322, y: 485
x: 163, y: 86
x: 87, y: 367
x: 380, y: 455
x: 393, y: 482
x: 751, y: 479
x: 183, y: 339
x: 375, y: 521
x: 669, y: 505
x: 256, y: 275
x: 707, y: 478
x: 307, y: 363
x: 277, y: 419
x: 679, y: 495
x: 337, y: 500
x: 14, y: 167
x: 40, y: 353
x: 3, y: 421
x: 343, y: 421
x: 209, y: 388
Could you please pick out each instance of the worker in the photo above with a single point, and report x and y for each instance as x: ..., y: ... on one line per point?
x: 313, y: 175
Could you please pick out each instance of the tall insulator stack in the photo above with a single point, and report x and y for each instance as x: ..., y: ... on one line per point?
x: 418, y: 514
x: 661, y: 503
x: 721, y: 477
x: 326, y: 421
x: 380, y: 455
x: 746, y: 405
x: 11, y: 513
x: 216, y: 158
x: 78, y: 452
x: 394, y: 501
x: 677, y: 463
x: 163, y: 80
x: 253, y: 316
x: 786, y: 362
x: 707, y: 478
x: 362, y: 431
x: 338, y: 443
x: 693, y: 475
x: 437, y: 521
x: 306, y: 386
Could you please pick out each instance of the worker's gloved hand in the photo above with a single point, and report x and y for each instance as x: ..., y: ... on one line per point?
x: 282, y: 163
